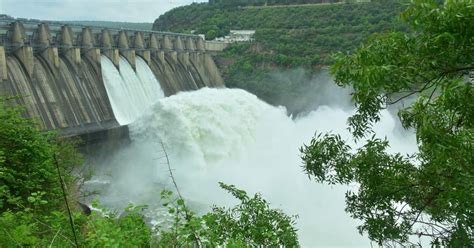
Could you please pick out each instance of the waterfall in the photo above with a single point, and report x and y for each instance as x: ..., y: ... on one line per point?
x: 231, y: 136
x: 130, y: 92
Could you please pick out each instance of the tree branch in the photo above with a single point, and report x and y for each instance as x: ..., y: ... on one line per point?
x: 61, y: 182
x: 187, y: 215
x: 54, y: 238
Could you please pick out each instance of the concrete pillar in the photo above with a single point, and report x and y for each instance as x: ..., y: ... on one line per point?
x: 107, y: 48
x: 138, y: 41
x: 67, y: 38
x: 24, y: 53
x: 184, y: 57
x: 173, y: 54
x: 178, y: 44
x: 3, y: 64
x: 51, y: 55
x: 166, y: 43
x: 94, y: 55
x: 87, y: 43
x: 106, y: 39
x: 153, y: 44
x: 190, y: 46
x: 200, y: 44
x: 74, y: 54
x: 124, y: 48
x: 146, y: 55
x: 43, y: 35
x: 123, y: 40
x: 17, y: 34
x: 158, y: 54
x: 42, y: 41
x: 154, y: 47
x: 139, y: 44
x: 87, y: 40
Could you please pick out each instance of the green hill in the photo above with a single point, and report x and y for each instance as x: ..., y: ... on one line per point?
x: 303, y: 35
x: 268, y: 2
x: 286, y: 37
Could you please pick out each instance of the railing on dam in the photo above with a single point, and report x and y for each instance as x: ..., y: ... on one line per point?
x: 41, y: 35
x: 16, y: 33
x: 31, y: 27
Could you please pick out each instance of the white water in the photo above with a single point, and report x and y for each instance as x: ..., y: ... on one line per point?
x: 130, y: 93
x: 231, y: 136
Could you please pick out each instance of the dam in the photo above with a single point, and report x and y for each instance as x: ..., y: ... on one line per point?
x: 79, y: 80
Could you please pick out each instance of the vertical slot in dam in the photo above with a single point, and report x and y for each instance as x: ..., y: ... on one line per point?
x: 130, y: 92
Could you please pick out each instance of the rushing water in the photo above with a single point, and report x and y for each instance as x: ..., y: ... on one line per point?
x: 231, y: 136
x: 130, y: 92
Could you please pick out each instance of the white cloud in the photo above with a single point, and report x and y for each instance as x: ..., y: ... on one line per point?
x: 102, y: 10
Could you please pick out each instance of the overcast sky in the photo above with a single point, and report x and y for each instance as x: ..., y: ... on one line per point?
x: 102, y: 10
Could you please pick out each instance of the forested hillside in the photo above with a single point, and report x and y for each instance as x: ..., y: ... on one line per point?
x: 285, y: 38
x: 269, y: 2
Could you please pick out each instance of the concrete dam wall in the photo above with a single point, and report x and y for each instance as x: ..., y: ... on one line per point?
x: 75, y: 79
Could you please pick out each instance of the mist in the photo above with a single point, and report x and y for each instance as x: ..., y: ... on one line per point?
x: 311, y: 90
x: 231, y: 136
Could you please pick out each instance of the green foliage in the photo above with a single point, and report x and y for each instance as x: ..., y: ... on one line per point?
x: 31, y: 200
x: 211, y: 34
x: 107, y: 229
x: 28, y: 228
x: 429, y: 193
x: 238, y: 3
x: 252, y: 223
x: 27, y: 163
x: 296, y: 36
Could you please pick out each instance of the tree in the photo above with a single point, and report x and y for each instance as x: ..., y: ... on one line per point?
x: 32, y: 209
x: 429, y: 193
x: 211, y: 34
x: 28, y: 160
x: 252, y: 223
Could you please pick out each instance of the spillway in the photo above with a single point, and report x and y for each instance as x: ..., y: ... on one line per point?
x: 130, y: 92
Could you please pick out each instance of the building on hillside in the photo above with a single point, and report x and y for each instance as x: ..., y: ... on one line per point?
x: 237, y: 36
x: 241, y: 35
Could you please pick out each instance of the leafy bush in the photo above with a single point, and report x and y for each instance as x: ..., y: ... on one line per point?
x: 28, y: 157
x: 252, y: 223
x: 108, y: 229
